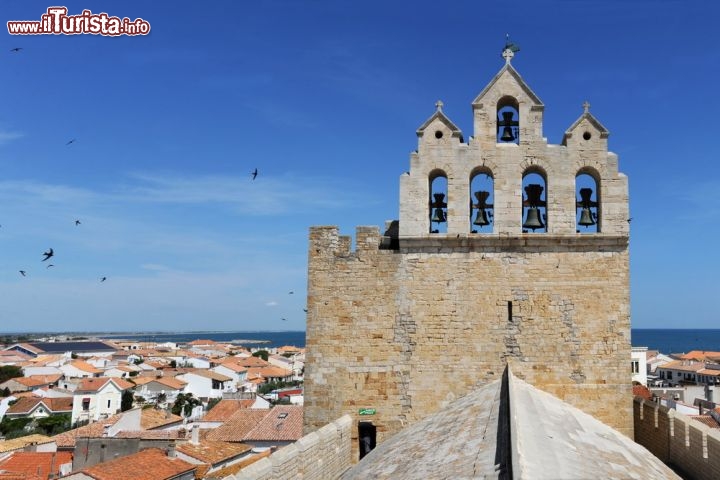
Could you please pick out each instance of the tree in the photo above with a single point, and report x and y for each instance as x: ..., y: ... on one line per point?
x: 211, y: 403
x: 126, y: 401
x: 54, y: 424
x: 5, y: 392
x: 184, y: 403
x: 264, y: 354
x: 9, y: 371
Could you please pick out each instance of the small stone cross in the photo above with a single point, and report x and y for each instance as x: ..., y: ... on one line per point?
x: 586, y: 106
x: 508, y: 55
x: 439, y: 104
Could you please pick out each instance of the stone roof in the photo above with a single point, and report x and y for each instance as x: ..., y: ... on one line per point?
x: 95, y: 429
x: 54, y: 405
x: 149, y: 464
x: 471, y: 438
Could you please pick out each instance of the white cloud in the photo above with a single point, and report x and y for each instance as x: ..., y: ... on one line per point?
x: 8, y: 136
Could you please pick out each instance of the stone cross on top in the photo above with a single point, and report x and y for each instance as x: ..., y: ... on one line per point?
x: 586, y: 106
x: 439, y: 104
x: 508, y: 55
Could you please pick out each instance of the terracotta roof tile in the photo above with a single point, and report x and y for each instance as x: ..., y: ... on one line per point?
x: 236, y: 467
x: 96, y: 429
x: 213, y: 452
x: 149, y: 464
x: 706, y: 420
x: 40, y: 464
x: 283, y: 423
x: 152, y: 434
x: 224, y: 409
x: 54, y: 405
x: 249, y: 362
x: 21, y: 442
x: 95, y: 384
x: 642, y: 391
x: 84, y: 366
x: 154, y: 418
x: 242, y: 422
x: 270, y: 371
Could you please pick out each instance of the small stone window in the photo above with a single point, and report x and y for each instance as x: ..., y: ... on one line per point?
x: 437, y: 203
x: 481, y: 202
x: 534, y: 205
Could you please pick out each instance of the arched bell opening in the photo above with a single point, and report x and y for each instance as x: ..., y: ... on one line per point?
x: 534, y: 203
x: 508, y: 120
x: 437, y: 203
x: 587, y: 202
x: 482, y: 192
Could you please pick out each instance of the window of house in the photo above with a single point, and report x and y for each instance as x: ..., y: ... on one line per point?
x: 587, y: 204
x: 481, y: 202
x: 86, y: 404
x: 635, y: 366
x: 437, y: 203
x: 108, y: 406
x: 534, y: 205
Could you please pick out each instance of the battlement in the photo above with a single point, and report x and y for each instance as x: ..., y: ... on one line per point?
x: 688, y: 446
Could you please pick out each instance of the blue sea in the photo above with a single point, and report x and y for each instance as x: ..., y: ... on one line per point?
x: 679, y: 340
x: 247, y: 339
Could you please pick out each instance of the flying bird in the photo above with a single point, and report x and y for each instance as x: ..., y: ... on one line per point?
x: 284, y: 319
x: 71, y: 141
x: 50, y: 265
x: 48, y: 254
x: 77, y: 222
x: 254, y: 174
x: 290, y: 292
x: 305, y: 310
x: 22, y: 272
x: 629, y: 220
x: 103, y: 279
x: 16, y: 49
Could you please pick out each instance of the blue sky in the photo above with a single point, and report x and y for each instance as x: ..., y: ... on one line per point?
x: 324, y: 98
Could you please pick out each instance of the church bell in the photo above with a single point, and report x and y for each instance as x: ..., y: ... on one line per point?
x: 533, y: 220
x: 507, y: 135
x: 438, y: 216
x: 586, y: 218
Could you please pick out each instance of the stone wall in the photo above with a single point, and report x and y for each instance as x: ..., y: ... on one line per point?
x: 691, y: 448
x: 405, y: 332
x: 324, y: 454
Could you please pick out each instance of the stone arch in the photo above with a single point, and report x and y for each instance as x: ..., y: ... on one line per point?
x: 587, y: 200
x: 534, y: 205
x: 482, y: 199
x: 437, y: 200
x: 507, y: 118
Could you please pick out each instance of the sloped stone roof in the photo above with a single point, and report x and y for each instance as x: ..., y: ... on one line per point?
x: 509, y: 429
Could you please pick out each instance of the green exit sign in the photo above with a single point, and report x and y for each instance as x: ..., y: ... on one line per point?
x: 367, y: 411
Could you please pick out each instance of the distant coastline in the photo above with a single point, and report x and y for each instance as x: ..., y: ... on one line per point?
x: 677, y: 340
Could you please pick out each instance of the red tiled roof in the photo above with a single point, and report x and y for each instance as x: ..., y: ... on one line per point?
x: 54, y: 405
x: 95, y: 384
x: 282, y: 423
x: 40, y: 464
x: 213, y: 452
x: 153, y: 418
x: 242, y: 422
x: 149, y: 464
x: 642, y: 391
x: 706, y: 420
x: 249, y: 362
x: 96, y: 429
x: 224, y: 409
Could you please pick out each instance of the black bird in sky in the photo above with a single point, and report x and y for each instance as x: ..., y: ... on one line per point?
x: 290, y: 292
x: 283, y: 319
x: 305, y: 310
x: 103, y: 279
x: 16, y: 49
x: 22, y: 272
x: 48, y: 254
x: 71, y: 141
x: 77, y: 222
x: 254, y: 174
x: 50, y: 265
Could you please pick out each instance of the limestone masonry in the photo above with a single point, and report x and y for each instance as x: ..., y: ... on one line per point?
x: 533, y: 273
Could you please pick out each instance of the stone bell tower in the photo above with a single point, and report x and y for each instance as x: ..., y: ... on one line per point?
x: 508, y: 250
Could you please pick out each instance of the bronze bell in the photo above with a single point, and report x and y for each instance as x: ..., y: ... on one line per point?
x: 481, y: 218
x: 586, y: 218
x: 438, y: 216
x: 507, y: 135
x: 533, y: 221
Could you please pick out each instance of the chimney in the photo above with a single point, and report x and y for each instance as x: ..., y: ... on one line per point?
x: 195, y: 435
x: 171, y: 450
x: 106, y: 430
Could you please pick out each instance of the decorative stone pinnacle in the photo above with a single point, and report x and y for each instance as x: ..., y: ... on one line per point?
x: 586, y: 106
x: 439, y: 104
